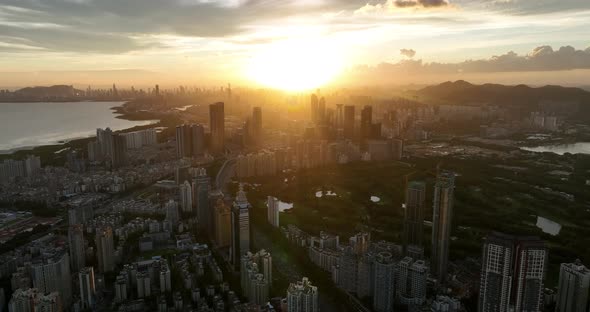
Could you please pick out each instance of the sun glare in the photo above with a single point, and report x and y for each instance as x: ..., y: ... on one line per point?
x: 295, y: 65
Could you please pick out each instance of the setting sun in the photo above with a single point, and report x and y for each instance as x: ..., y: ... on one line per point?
x: 295, y: 65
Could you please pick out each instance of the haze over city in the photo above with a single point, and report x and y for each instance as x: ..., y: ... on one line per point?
x: 295, y: 155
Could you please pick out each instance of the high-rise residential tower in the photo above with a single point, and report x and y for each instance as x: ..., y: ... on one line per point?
x: 186, y: 197
x: 119, y: 158
x: 272, y: 204
x: 87, y: 287
x: 366, y: 122
x: 217, y: 126
x: 77, y: 250
x: 314, y: 108
x: 512, y: 273
x: 257, y: 125
x: 52, y: 274
x: 349, y: 119
x: 574, y: 288
x: 302, y: 296
x: 201, y: 186
x: 442, y: 213
x: 414, y: 214
x: 240, y: 225
x: 322, y: 111
x: 105, y: 248
x: 222, y: 222
x: 384, y: 267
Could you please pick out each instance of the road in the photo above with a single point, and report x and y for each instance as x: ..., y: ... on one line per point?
x: 224, y: 175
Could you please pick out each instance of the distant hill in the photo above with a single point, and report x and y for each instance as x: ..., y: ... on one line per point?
x: 463, y: 92
x: 52, y: 91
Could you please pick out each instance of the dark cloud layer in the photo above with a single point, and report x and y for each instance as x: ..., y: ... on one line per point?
x: 543, y: 58
x: 113, y: 26
x: 117, y: 26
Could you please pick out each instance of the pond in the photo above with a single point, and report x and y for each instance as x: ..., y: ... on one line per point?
x: 318, y: 194
x: 284, y: 206
x: 547, y: 226
x: 560, y: 149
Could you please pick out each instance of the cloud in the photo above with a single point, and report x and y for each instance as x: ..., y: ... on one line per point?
x: 393, y: 5
x: 407, y: 52
x: 542, y: 58
x: 420, y: 3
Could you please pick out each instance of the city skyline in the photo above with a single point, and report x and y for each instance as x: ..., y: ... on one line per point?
x: 295, y: 155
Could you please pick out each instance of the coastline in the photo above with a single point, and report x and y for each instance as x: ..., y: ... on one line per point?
x: 47, y: 152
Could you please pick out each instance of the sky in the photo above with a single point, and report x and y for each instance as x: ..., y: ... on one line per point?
x: 299, y: 43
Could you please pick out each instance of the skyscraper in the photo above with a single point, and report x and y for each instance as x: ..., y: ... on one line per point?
x: 360, y: 243
x: 186, y: 197
x: 384, y: 282
x: 217, y: 126
x: 23, y: 300
x: 105, y: 142
x: 256, y: 276
x: 574, y: 288
x: 214, y: 197
x: 32, y: 165
x: 348, y: 270
x: 366, y: 122
x: 322, y: 111
x: 105, y: 247
x: 414, y: 214
x: 257, y: 125
x: 202, y: 187
x: 314, y: 108
x: 172, y: 215
x: 222, y: 223
x: 272, y: 204
x: 348, y: 125
x: 302, y: 296
x: 512, y: 273
x: 87, y: 287
x: 339, y: 122
x: 197, y: 139
x: 52, y: 274
x: 77, y: 250
x: 182, y: 141
x: 411, y: 281
x: 190, y: 140
x: 119, y: 158
x: 442, y: 213
x: 240, y: 225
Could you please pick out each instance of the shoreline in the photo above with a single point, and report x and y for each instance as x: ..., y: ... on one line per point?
x: 65, y: 100
x: 47, y: 151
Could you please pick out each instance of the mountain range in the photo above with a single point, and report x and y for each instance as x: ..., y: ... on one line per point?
x: 464, y: 93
